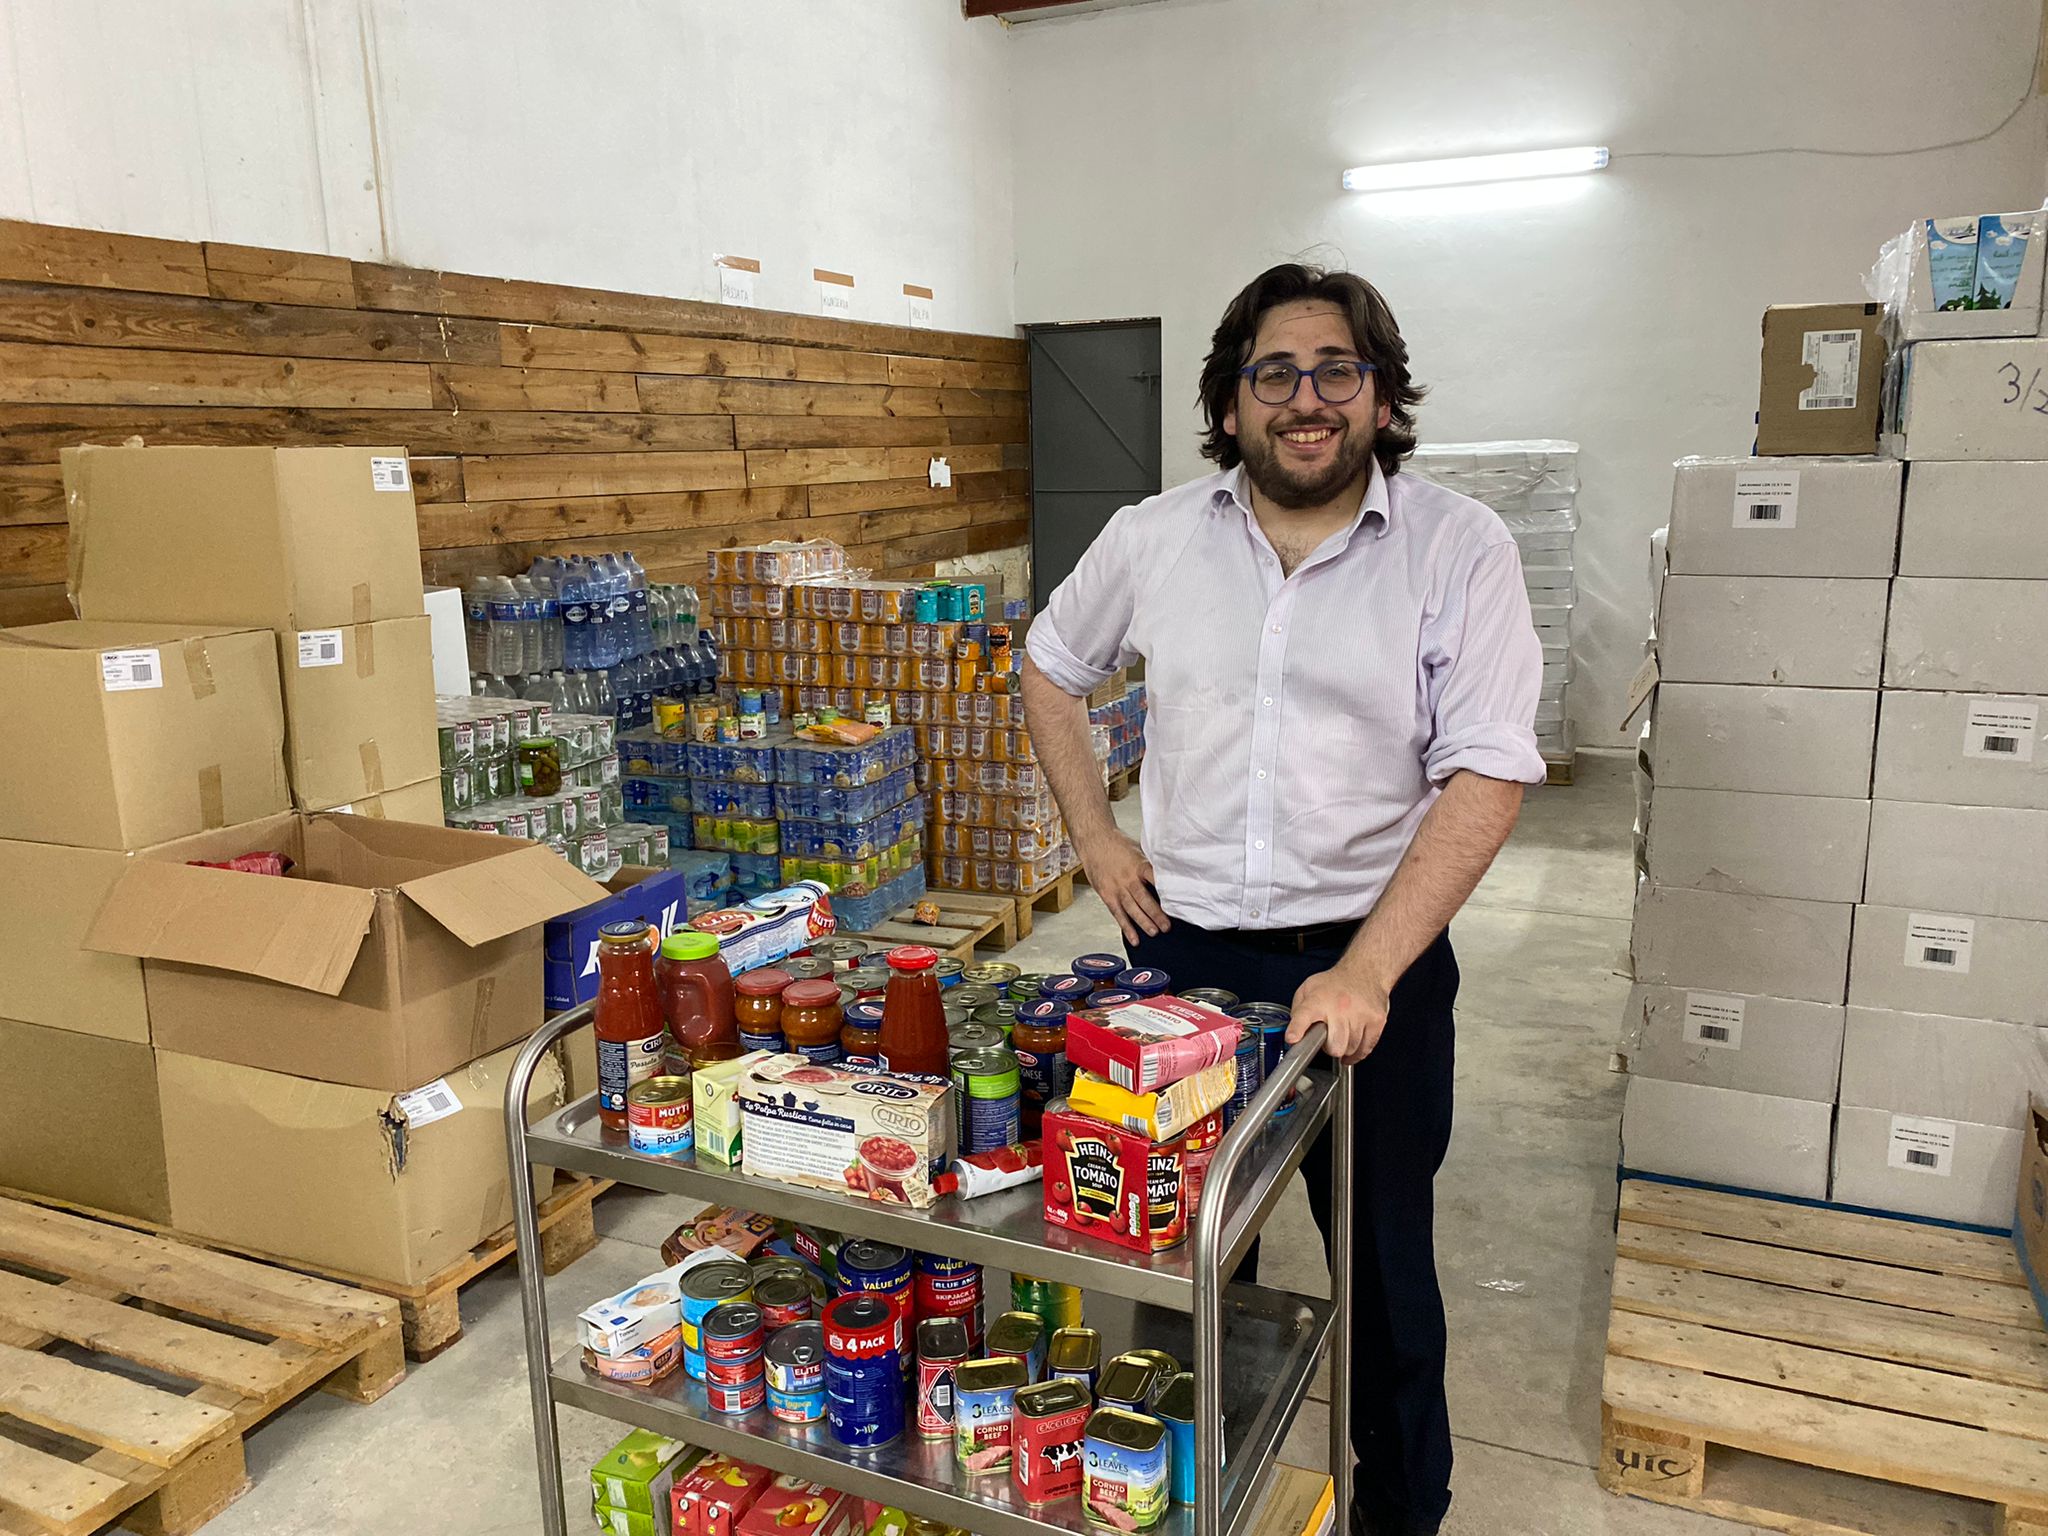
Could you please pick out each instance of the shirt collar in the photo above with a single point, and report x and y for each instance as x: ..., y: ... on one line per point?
x: 1234, y: 487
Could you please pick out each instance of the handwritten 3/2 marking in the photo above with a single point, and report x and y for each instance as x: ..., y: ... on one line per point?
x: 2028, y: 396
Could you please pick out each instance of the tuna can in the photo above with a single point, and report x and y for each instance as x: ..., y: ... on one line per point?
x: 1128, y: 1381
x: 844, y: 954
x: 984, y: 1403
x: 944, y: 1287
x: 1109, y: 997
x: 1065, y: 989
x: 1269, y: 1021
x: 1124, y: 1458
x: 1144, y: 981
x: 795, y: 1369
x: 743, y: 1398
x: 658, y: 1117
x: 1214, y: 997
x: 942, y: 1347
x: 986, y: 1100
x: 994, y: 974
x: 1048, y: 1422
x: 1250, y: 1057
x: 1075, y: 1354
x: 864, y: 1369
x: 870, y: 979
x: 972, y: 1035
x: 735, y: 1372
x: 866, y: 1265
x: 1025, y: 987
x: 707, y: 1286
x: 948, y: 969
x: 971, y: 994
x: 1168, y: 1368
x: 1002, y: 1013
x: 1054, y: 1300
x: 784, y: 1298
x: 1101, y: 969
x: 808, y: 967
x: 1176, y: 1410
x: 732, y: 1331
x: 1021, y: 1337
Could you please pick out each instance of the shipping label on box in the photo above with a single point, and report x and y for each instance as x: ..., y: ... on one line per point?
x: 1784, y: 517
x: 1961, y: 749
x: 1919, y: 1165
x: 359, y: 711
x: 1822, y: 377
x: 1976, y: 519
x: 1806, y: 632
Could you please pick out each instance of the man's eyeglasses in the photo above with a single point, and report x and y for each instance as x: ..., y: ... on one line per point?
x: 1336, y: 381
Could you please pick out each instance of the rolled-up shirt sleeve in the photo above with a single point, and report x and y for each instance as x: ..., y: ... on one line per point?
x: 1486, y: 669
x: 1084, y: 633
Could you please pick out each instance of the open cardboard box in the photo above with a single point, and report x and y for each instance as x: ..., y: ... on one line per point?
x: 392, y: 954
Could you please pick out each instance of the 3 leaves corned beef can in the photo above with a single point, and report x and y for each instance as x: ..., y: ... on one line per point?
x: 984, y: 1403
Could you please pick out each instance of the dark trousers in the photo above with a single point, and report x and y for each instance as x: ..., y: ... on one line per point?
x: 1401, y: 1126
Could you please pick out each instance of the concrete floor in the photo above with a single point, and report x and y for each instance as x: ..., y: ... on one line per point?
x: 1525, y: 1212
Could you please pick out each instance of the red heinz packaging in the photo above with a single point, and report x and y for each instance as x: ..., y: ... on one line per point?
x: 1145, y: 1045
x: 793, y: 1506
x: 1112, y: 1182
x: 710, y: 1499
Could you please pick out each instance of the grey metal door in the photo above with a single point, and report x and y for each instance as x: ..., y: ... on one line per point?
x: 1094, y: 436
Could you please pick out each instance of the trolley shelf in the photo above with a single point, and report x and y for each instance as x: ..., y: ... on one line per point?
x: 1007, y: 1229
x: 1271, y: 1344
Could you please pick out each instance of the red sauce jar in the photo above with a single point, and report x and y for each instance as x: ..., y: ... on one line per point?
x: 811, y: 1019
x: 757, y: 1008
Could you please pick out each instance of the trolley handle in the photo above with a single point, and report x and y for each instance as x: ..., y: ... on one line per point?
x: 1216, y: 1184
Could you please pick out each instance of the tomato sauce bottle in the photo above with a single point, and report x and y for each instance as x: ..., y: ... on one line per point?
x: 913, y: 1017
x: 630, y: 1030
x: 696, y: 998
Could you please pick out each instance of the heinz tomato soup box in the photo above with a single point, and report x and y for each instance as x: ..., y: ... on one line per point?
x: 1113, y: 1182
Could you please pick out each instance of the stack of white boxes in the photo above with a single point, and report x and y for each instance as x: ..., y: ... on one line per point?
x: 1534, y: 486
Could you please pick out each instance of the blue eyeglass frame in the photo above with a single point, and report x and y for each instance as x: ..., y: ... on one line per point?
x: 1313, y: 375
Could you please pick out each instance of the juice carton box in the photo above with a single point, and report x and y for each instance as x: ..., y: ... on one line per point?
x: 2001, y: 252
x: 711, y: 1497
x: 860, y: 1133
x: 636, y: 1474
x: 792, y: 1506
x: 1952, y: 261
x: 1145, y: 1045
x: 715, y: 1108
x: 1119, y: 1184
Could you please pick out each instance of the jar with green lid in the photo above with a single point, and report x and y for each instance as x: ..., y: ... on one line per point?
x: 540, y: 766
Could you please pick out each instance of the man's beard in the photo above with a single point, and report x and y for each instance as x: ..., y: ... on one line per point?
x: 1295, y: 492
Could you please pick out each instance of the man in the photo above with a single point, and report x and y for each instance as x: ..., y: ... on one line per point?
x: 1341, y: 677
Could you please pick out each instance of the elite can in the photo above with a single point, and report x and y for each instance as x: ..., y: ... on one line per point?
x: 784, y: 1298
x: 794, y: 1362
x: 986, y: 1101
x: 1021, y: 1337
x: 658, y: 1117
x: 1075, y: 1354
x: 1024, y: 988
x: 1048, y: 1422
x: 1002, y: 1013
x: 942, y: 1348
x: 972, y: 1035
x: 972, y: 994
x: 1124, y: 1458
x: 984, y: 1403
x: 707, y: 1286
x: 1055, y: 1301
x: 864, y: 1368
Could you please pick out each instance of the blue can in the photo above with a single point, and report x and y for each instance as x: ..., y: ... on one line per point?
x: 864, y: 1369
x: 1144, y: 981
x: 866, y: 1265
x: 1251, y: 1074
x: 925, y: 606
x: 1099, y: 969
x: 1268, y: 1021
x: 1176, y: 1410
x: 1109, y: 997
x: 974, y: 601
x: 1066, y: 989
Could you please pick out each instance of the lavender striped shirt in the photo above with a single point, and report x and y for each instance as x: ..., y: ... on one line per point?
x: 1300, y: 727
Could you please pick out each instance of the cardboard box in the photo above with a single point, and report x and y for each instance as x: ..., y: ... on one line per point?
x: 82, y: 1124
x: 420, y: 803
x: 49, y: 896
x: 2030, y: 1229
x: 279, y: 538
x: 656, y: 896
x: 1962, y: 749
x: 1774, y: 1045
x: 1973, y: 275
x: 1803, y: 846
x: 392, y: 954
x: 1920, y: 1165
x: 1953, y: 963
x: 355, y: 1180
x: 1968, y: 636
x: 1972, y: 400
x: 1823, y: 377
x: 1976, y: 1070
x: 133, y: 734
x: 1801, y: 631
x: 1785, y: 517
x: 1958, y: 858
x: 1724, y: 1136
x: 1713, y: 941
x: 1976, y: 519
x: 844, y: 1130
x: 358, y: 711
x: 1778, y: 741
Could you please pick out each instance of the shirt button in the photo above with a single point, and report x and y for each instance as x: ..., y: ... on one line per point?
x: 1276, y: 629
x: 1269, y: 701
x: 1262, y: 773
x: 1257, y: 913
x: 1260, y: 843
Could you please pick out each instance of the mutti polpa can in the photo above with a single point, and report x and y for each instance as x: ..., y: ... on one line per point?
x: 984, y: 1405
x: 795, y: 1362
x: 1048, y: 1422
x: 659, y: 1117
x: 1124, y: 1466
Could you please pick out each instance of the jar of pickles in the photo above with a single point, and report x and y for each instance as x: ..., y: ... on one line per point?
x: 540, y: 766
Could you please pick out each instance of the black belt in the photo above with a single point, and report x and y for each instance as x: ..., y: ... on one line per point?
x: 1299, y: 941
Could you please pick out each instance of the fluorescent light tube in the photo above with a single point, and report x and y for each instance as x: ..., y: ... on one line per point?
x: 1470, y: 168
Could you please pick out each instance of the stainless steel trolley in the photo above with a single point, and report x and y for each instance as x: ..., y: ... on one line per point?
x: 1254, y: 1349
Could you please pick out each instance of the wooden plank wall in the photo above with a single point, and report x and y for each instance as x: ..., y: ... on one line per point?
x: 539, y: 418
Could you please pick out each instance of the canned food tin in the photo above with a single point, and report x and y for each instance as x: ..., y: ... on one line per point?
x: 732, y: 1331
x: 1269, y: 1022
x: 1048, y: 1422
x: 658, y: 1117
x: 869, y: 979
x: 948, y: 969
x: 1025, y: 988
x: 811, y: 967
x: 703, y: 1288
x: 1002, y: 1013
x: 994, y: 973
x: 942, y: 1347
x: 1058, y: 1303
x: 972, y: 994
x: 1124, y: 1458
x: 744, y: 1397
x: 1128, y: 1382
x: 794, y: 1364
x: 1215, y: 997
x: 984, y: 1403
x: 1109, y: 997
x: 1100, y: 969
x: 1176, y: 1410
x: 784, y: 1298
x: 1168, y: 1368
x: 797, y: 1407
x: 732, y: 1373
x: 1144, y: 981
x: 866, y: 1265
x: 973, y: 1035
x: 949, y: 1288
x: 1021, y: 1336
x: 1250, y: 1059
x: 844, y: 954
x: 986, y: 1099
x: 864, y: 1368
x: 1075, y: 1354
x: 1065, y: 989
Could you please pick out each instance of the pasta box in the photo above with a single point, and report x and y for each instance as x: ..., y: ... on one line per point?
x: 1146, y: 1044
x: 1113, y: 1182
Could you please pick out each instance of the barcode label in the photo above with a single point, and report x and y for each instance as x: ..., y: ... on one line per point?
x: 1938, y: 942
x: 121, y: 671
x: 1766, y: 498
x: 1836, y: 338
x: 1922, y: 1146
x: 1835, y: 357
x: 2002, y: 729
x: 389, y: 474
x: 1714, y: 1019
x: 423, y: 1106
x: 319, y: 647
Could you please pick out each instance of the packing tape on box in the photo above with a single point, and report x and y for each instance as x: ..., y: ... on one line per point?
x: 480, y: 1016
x: 199, y: 669
x: 212, y: 804
x: 359, y: 602
x: 366, y: 652
x: 373, y: 767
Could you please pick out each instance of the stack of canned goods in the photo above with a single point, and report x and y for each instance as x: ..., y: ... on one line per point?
x: 734, y: 1341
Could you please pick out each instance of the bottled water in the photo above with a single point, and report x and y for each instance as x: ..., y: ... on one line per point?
x: 476, y: 624
x: 530, y: 642
x: 608, y: 605
x: 645, y: 671
x: 582, y: 693
x: 601, y: 699
x: 560, y: 695
x: 539, y: 688
x: 660, y: 616
x: 506, y: 646
x: 550, y: 620
x: 709, y: 647
x: 575, y: 606
x: 640, y: 621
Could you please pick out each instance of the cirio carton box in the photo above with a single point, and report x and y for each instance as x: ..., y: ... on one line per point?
x: 656, y: 897
x: 868, y: 1134
x: 1145, y: 1045
x: 1117, y: 1184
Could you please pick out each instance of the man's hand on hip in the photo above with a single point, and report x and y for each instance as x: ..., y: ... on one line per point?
x: 1122, y: 877
x: 1352, y: 1007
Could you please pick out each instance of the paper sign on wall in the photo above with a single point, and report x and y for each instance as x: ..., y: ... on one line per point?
x: 941, y: 474
x: 1767, y: 498
x: 920, y: 302
x: 1922, y: 1146
x: 835, y: 292
x: 123, y: 670
x: 1712, y: 1018
x: 1937, y: 942
x: 2001, y: 729
x: 736, y: 276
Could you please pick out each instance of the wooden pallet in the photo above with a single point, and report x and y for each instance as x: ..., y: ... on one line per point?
x: 430, y: 1312
x: 1822, y: 1373
x: 966, y: 919
x: 1056, y: 897
x: 1558, y: 770
x: 176, y: 1353
x: 1121, y: 784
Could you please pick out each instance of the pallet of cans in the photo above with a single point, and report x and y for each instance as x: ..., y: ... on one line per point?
x: 1124, y: 719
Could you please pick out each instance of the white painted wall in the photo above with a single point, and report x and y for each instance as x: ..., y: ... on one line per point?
x: 614, y: 145
x: 1166, y: 153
